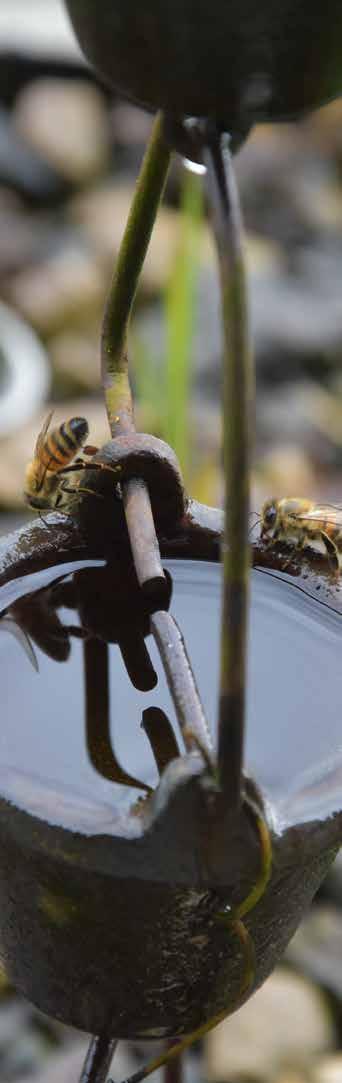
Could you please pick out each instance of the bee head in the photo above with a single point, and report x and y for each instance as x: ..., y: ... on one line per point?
x: 269, y: 516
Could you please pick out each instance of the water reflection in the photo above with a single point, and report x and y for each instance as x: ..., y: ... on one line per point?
x: 53, y: 720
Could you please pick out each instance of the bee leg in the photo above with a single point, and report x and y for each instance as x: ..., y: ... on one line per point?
x: 79, y: 464
x: 102, y: 466
x: 59, y: 505
x: 332, y: 552
x: 270, y: 541
x: 43, y: 520
x: 80, y: 489
x: 64, y: 489
x: 297, y: 549
x: 91, y: 492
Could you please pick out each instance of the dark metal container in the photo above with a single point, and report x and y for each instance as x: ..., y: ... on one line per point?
x: 110, y: 901
x: 117, y: 935
x: 234, y: 60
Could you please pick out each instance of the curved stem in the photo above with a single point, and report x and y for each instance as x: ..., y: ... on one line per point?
x: 148, y: 193
x: 114, y: 359
x: 245, y: 942
x: 237, y: 403
x: 159, y: 731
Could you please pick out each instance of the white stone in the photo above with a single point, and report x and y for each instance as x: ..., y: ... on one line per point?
x: 284, y: 1025
x: 67, y: 123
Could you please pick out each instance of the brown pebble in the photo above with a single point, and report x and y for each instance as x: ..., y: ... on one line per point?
x: 67, y: 123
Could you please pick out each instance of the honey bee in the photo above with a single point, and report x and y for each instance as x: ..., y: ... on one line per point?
x: 45, y: 486
x: 298, y: 520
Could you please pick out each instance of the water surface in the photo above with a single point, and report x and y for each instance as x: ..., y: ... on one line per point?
x: 293, y: 734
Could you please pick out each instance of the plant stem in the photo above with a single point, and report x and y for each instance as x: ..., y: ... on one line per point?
x: 237, y: 403
x: 173, y: 1071
x: 132, y: 253
x: 115, y: 376
x: 98, y: 1059
x: 179, y: 306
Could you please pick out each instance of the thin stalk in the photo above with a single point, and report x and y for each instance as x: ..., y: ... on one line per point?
x: 180, y: 303
x: 148, y: 193
x: 238, y: 395
x: 114, y: 357
x: 173, y: 1071
x: 98, y: 1059
x: 239, y: 931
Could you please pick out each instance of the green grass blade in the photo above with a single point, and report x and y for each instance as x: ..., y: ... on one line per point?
x: 180, y: 318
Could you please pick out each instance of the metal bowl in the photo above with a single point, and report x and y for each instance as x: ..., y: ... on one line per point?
x: 109, y: 902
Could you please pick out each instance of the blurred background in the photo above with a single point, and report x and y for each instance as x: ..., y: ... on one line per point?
x: 69, y: 156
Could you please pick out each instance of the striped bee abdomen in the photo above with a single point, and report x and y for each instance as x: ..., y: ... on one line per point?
x: 62, y: 444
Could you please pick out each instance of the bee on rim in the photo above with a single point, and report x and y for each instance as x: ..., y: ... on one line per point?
x: 300, y: 521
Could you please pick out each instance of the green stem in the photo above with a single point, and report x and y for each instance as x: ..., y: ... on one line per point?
x: 180, y: 305
x: 131, y: 256
x: 238, y: 931
x: 238, y: 397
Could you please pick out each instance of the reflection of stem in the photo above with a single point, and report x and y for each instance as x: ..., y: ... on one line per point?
x: 161, y: 737
x: 98, y: 1059
x: 137, y: 660
x: 97, y: 713
x: 238, y: 398
x: 132, y: 253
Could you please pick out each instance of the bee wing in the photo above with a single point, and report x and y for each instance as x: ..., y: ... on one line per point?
x: 41, y: 436
x: 40, y: 468
x: 331, y: 514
